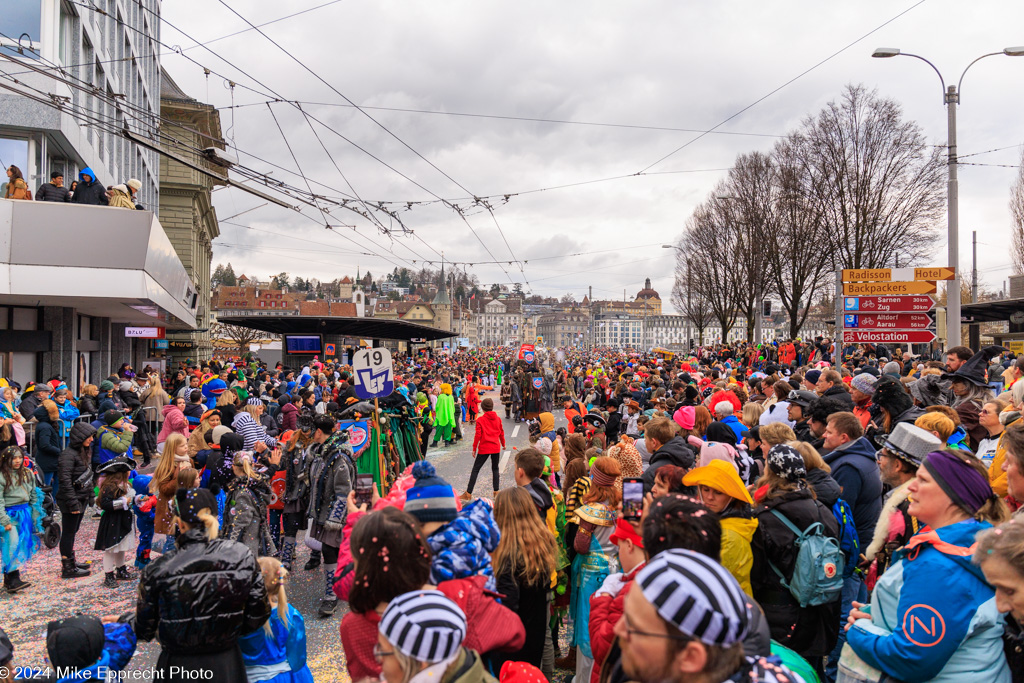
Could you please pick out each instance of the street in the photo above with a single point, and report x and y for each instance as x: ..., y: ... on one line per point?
x: 25, y: 614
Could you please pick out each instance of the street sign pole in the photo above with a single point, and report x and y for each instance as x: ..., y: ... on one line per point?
x: 840, y: 335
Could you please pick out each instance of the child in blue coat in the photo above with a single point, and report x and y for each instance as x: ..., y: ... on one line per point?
x: 277, y: 652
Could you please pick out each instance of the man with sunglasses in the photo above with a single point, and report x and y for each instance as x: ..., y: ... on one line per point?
x: 684, y: 619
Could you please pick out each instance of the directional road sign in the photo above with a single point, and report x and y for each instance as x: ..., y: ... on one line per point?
x: 887, y: 288
x: 889, y: 304
x: 374, y: 375
x: 888, y: 321
x: 889, y: 336
x: 894, y: 274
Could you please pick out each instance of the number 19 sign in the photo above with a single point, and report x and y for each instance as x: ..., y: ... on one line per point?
x: 374, y: 376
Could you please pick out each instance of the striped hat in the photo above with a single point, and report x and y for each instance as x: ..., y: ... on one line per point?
x: 696, y: 595
x: 425, y: 625
x: 253, y: 401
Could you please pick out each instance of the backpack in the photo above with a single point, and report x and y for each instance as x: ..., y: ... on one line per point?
x: 849, y: 541
x: 818, y: 573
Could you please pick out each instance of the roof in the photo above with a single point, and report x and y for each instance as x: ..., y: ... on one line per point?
x: 169, y: 90
x: 363, y: 328
x: 442, y: 299
x: 647, y: 292
x: 346, y: 280
x: 991, y: 311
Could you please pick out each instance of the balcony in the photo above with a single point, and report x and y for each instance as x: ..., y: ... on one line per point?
x: 104, y: 262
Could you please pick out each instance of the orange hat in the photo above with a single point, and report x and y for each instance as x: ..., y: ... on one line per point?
x: 625, y: 531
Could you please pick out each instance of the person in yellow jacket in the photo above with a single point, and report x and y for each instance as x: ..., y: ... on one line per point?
x: 722, y: 491
x: 996, y: 475
x: 547, y: 429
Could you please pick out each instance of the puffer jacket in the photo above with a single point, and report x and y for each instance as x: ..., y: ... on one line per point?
x: 88, y: 405
x: 824, y: 487
x: 174, y: 421
x: 67, y: 412
x: 933, y: 616
x: 462, y: 547
x: 47, y: 439
x: 118, y: 649
x: 71, y: 467
x: 91, y: 192
x: 810, y: 631
x: 48, y: 192
x: 245, y: 518
x: 200, y: 597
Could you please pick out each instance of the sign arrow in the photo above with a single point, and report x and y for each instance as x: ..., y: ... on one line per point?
x: 889, y: 336
x: 894, y: 274
x: 888, y: 321
x: 889, y: 304
x: 888, y: 288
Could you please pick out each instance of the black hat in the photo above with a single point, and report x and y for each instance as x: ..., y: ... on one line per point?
x: 973, y: 370
x: 121, y: 463
x: 593, y: 419
x: 231, y: 442
x: 56, y: 174
x: 188, y: 503
x: 930, y: 390
x: 802, y: 397
x: 75, y: 642
x: 111, y: 417
x: 889, y: 394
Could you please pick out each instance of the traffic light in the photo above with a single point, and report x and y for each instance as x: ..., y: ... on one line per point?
x: 766, y: 307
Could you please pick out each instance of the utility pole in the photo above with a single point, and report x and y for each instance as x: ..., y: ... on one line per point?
x: 974, y: 267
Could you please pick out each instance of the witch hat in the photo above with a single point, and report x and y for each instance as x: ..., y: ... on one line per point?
x: 974, y: 370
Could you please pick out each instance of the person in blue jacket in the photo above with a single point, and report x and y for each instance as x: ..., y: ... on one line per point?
x: 932, y: 616
x: 83, y: 648
x: 277, y: 652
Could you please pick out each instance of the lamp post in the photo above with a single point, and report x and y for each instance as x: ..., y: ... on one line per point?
x: 951, y: 98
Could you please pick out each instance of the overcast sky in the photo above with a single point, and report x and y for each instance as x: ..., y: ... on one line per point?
x: 666, y: 65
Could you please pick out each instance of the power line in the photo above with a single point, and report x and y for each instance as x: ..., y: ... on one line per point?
x: 268, y: 23
x: 787, y: 83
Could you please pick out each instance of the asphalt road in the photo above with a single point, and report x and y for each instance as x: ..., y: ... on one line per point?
x: 24, y: 616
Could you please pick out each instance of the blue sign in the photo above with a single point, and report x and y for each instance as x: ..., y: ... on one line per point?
x: 852, y: 304
x: 159, y: 343
x: 528, y: 356
x: 851, y: 321
x: 374, y: 375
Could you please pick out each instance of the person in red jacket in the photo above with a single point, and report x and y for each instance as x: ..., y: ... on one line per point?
x: 606, y: 603
x: 488, y: 443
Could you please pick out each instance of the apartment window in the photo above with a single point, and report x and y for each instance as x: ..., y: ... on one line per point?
x: 21, y: 20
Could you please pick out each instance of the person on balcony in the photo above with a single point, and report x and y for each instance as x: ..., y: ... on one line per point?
x: 53, y: 191
x: 88, y: 191
x: 119, y: 198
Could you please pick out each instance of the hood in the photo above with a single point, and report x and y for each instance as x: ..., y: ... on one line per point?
x: 547, y: 422
x: 824, y: 486
x: 721, y: 476
x: 167, y: 409
x: 674, y: 452
x: 41, y: 414
x: 743, y: 526
x: 541, y: 495
x: 87, y: 171
x: 955, y: 541
x: 859, y: 448
x: 79, y: 433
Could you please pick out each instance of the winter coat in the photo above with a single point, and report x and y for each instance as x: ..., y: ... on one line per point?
x: 155, y: 397
x: 87, y: 405
x: 10, y: 496
x: 289, y: 417
x: 530, y: 602
x: 18, y: 185
x: 72, y: 466
x: 490, y: 434
x: 29, y: 404
x: 174, y: 421
x: 67, y: 413
x: 194, y: 414
x: 841, y: 395
x: 48, y: 192
x: 735, y: 425
x: 933, y: 616
x: 116, y: 522
x: 110, y: 401
x: 856, y: 471
x: 824, y: 487
x: 737, y: 533
x: 251, y: 431
x: 90, y: 192
x: 461, y: 548
x: 163, y: 520
x: 605, y: 612
x: 245, y: 515
x: 490, y: 627
x: 47, y: 440
x: 893, y: 531
x: 113, y: 442
x: 1013, y: 648
x: 673, y: 452
x: 201, y: 596
x: 119, y: 200
x: 331, y: 476
x: 996, y: 475
x: 810, y: 631
x: 547, y: 428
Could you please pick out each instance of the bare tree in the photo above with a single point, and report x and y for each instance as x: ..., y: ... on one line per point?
x: 711, y: 237
x: 1017, y: 211
x: 240, y: 336
x: 687, y: 299
x: 877, y: 184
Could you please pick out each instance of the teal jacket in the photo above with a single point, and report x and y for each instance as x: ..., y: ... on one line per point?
x: 933, y: 616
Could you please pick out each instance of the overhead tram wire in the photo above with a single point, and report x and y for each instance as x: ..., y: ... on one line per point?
x: 784, y: 85
x: 327, y: 223
x: 267, y: 23
x: 379, y: 124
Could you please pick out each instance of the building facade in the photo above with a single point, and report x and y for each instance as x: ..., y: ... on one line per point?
x: 499, y: 322
x: 563, y: 330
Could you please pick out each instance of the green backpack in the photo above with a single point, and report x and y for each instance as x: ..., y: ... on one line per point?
x: 818, y: 573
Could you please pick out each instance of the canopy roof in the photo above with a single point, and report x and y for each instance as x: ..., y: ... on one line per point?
x: 362, y: 328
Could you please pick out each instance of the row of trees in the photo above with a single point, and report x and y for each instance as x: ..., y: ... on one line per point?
x: 854, y: 186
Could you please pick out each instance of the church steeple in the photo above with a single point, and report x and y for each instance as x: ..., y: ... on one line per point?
x: 441, y: 298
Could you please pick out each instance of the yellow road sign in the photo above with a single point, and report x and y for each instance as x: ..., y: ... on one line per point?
x: 887, y: 288
x: 895, y: 274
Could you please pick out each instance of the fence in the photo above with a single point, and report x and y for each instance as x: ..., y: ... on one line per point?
x: 148, y: 413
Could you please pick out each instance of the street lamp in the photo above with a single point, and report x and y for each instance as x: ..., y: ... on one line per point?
x: 951, y: 97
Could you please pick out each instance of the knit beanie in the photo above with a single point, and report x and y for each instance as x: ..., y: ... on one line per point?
x: 112, y: 417
x: 106, y: 385
x: 431, y: 498
x: 218, y: 432
x: 864, y: 383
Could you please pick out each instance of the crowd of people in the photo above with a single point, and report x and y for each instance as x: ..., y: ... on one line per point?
x: 85, y: 190
x: 745, y: 513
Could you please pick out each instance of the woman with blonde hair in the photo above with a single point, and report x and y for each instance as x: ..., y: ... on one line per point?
x: 197, y: 614
x: 524, y: 563
x: 751, y: 415
x: 932, y: 581
x: 197, y: 439
x: 245, y: 510
x: 164, y: 485
x: 277, y: 652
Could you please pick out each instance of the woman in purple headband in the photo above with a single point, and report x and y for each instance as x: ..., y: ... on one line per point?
x: 932, y: 616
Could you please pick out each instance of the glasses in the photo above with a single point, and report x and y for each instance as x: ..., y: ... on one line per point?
x: 630, y: 632
x: 379, y: 654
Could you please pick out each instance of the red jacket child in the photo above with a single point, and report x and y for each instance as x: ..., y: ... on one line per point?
x: 490, y: 433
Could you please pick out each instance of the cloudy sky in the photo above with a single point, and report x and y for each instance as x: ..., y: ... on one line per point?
x: 659, y: 71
